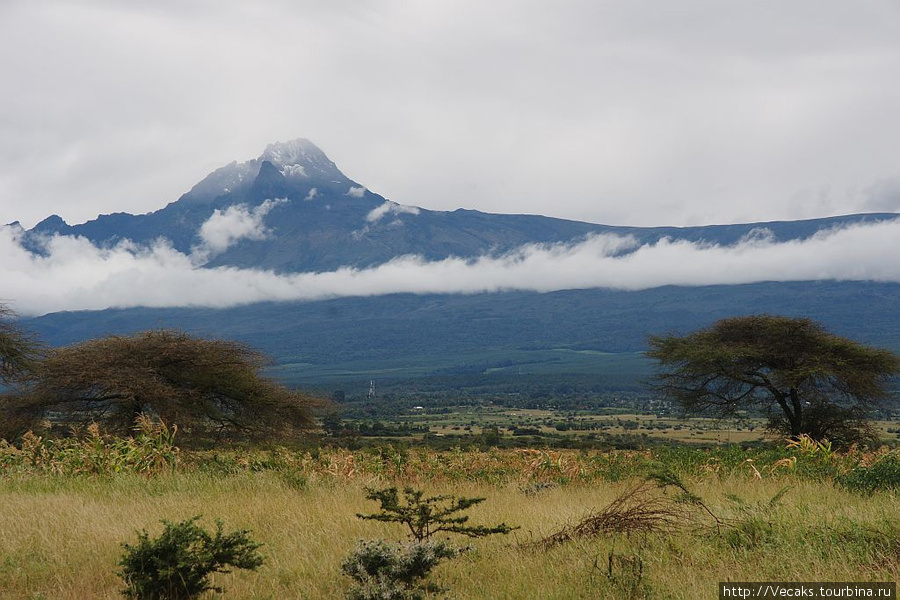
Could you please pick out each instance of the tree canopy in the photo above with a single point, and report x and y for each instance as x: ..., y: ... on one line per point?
x: 808, y: 380
x: 209, y: 388
x: 19, y: 350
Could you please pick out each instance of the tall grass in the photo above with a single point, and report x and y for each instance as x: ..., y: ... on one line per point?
x: 61, y: 529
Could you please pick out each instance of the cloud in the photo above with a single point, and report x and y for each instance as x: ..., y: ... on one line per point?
x: 356, y: 192
x: 72, y: 274
x: 884, y: 196
x: 294, y: 171
x: 311, y: 195
x: 227, y: 227
x: 391, y: 208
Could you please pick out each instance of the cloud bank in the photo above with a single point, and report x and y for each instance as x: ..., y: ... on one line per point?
x: 73, y: 274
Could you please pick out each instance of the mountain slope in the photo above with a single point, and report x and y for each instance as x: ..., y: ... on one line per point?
x: 406, y: 335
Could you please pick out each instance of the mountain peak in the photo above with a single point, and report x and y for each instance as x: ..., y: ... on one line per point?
x: 52, y: 224
x: 299, y: 161
x: 290, y: 151
x: 298, y: 158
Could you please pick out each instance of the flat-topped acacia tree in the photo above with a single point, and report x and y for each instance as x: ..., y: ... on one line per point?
x: 19, y: 350
x: 808, y: 380
x: 209, y: 388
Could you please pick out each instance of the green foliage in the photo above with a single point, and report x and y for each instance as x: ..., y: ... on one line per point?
x: 884, y: 474
x: 424, y: 517
x: 211, y: 388
x: 386, y: 571
x: 177, y: 564
x: 809, y: 381
x: 665, y: 477
x: 625, y: 575
x: 754, y: 525
x: 19, y: 349
x: 381, y: 570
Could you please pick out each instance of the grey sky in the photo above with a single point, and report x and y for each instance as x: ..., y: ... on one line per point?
x: 621, y: 112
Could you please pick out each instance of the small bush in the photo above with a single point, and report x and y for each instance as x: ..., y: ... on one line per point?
x: 424, y: 517
x: 384, y: 571
x: 177, y: 564
x: 882, y: 475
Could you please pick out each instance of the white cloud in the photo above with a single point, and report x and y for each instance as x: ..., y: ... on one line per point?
x: 356, y: 192
x: 227, y: 227
x: 312, y: 195
x: 392, y: 208
x: 73, y: 274
x: 294, y: 171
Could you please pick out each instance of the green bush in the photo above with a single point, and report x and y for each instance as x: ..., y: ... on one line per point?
x: 882, y: 475
x: 384, y: 571
x: 177, y: 564
x: 425, y: 517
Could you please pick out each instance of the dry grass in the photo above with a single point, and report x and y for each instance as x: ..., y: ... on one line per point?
x: 638, y: 509
x: 60, y: 537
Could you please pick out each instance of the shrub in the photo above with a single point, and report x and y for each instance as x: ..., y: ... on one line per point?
x: 386, y: 571
x: 882, y: 475
x: 177, y: 564
x: 425, y: 517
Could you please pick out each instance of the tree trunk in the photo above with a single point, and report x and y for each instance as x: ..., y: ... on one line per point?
x: 797, y: 418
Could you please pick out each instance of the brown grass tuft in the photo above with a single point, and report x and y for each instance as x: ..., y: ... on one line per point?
x: 638, y: 509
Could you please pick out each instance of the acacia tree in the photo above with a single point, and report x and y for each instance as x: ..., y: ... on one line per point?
x: 19, y: 353
x: 19, y: 350
x: 808, y: 380
x: 210, y: 388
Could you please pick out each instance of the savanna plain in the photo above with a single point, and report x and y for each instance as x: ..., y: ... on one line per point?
x: 666, y: 522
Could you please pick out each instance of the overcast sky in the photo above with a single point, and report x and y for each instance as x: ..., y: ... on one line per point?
x: 623, y: 112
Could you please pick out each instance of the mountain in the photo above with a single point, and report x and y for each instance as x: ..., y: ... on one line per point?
x: 321, y: 220
x: 310, y: 217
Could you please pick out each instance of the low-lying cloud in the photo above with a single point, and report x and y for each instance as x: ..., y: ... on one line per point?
x: 227, y: 227
x: 73, y: 274
x: 390, y: 208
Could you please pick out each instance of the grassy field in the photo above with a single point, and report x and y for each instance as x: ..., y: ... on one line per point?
x: 64, y: 517
x: 603, y: 427
x: 654, y: 428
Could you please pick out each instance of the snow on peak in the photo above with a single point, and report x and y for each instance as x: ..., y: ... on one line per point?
x: 293, y: 171
x: 295, y: 160
x: 222, y: 181
x: 298, y: 158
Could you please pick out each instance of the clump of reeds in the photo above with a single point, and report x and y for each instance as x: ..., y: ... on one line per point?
x: 149, y: 451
